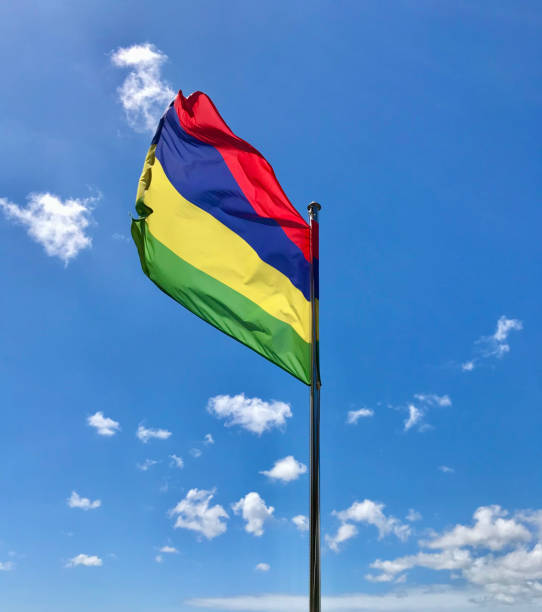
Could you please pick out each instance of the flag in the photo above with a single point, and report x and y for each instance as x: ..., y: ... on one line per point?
x: 217, y: 233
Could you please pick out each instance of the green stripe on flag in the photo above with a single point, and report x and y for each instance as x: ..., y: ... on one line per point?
x: 221, y: 306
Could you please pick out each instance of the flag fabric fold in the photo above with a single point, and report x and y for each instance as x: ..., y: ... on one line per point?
x: 217, y: 233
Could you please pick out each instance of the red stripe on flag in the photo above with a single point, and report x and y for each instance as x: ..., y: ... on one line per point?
x: 254, y: 175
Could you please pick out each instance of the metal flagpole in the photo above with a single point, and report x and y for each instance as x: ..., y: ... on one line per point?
x: 314, y: 568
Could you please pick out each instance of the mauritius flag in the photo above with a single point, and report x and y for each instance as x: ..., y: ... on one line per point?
x: 217, y: 233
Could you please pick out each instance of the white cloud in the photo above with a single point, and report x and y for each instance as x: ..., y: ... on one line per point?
x: 490, y: 530
x: 6, y: 566
x: 512, y: 577
x: 433, y: 399
x: 208, y: 439
x: 301, y: 522
x: 145, y: 434
x: 369, y: 513
x: 85, y: 560
x: 495, y: 345
x: 417, y: 410
x: 148, y: 463
x: 445, y: 469
x: 165, y: 550
x: 413, y: 516
x: 253, y: 414
x: 76, y: 501
x: 355, y: 415
x: 195, y: 452
x: 286, y: 469
x: 59, y: 226
x: 120, y: 237
x: 453, y: 559
x: 169, y: 550
x: 262, y: 567
x: 344, y: 533
x: 144, y: 95
x: 494, y: 555
x: 425, y: 599
x: 176, y: 461
x: 414, y: 417
x: 194, y: 513
x: 504, y: 327
x: 104, y: 425
x: 253, y: 509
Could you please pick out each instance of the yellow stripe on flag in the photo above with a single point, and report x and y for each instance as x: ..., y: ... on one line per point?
x: 204, y: 242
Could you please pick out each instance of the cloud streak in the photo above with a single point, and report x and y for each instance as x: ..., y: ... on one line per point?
x: 429, y: 599
x: 355, y: 415
x: 85, y: 561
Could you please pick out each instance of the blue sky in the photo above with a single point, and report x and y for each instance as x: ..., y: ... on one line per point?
x: 134, y: 437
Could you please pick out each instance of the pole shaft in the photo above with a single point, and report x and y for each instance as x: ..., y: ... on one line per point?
x: 314, y: 567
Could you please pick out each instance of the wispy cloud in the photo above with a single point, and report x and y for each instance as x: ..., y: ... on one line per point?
x: 145, y: 434
x: 413, y: 515
x: 7, y: 566
x: 104, y: 425
x: 165, y: 550
x: 494, y: 346
x: 194, y: 512
x: 355, y: 415
x: 85, y: 560
x: 432, y: 399
x: 59, y: 226
x: 146, y: 465
x: 176, y: 462
x: 169, y: 550
x: 143, y: 94
x: 427, y: 599
x: 84, y: 503
x: 418, y: 409
x: 252, y: 414
x: 446, y: 469
x: 253, y: 509
x: 286, y: 469
x: 208, y: 439
x: 415, y: 415
x: 262, y: 567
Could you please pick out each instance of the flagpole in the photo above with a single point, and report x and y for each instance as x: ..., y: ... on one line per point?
x: 314, y: 567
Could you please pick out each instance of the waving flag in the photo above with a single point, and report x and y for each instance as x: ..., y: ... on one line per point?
x: 217, y: 233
